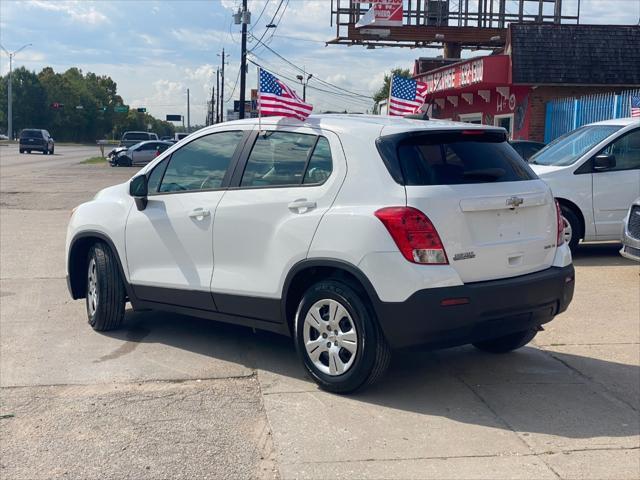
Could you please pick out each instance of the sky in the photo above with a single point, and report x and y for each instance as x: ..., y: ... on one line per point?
x: 156, y: 49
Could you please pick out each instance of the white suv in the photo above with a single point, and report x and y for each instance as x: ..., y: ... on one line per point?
x: 352, y: 234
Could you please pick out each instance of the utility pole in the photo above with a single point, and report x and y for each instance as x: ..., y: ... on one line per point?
x: 188, y: 112
x: 10, y: 92
x: 224, y: 60
x: 213, y: 105
x: 245, y: 18
x: 218, y: 95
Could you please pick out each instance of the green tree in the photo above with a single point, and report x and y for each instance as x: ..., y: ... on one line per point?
x: 88, y: 111
x: 383, y: 92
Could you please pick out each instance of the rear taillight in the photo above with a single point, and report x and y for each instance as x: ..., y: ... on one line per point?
x: 560, y: 222
x: 414, y: 234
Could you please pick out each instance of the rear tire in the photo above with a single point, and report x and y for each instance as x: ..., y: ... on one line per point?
x: 21, y: 151
x: 52, y: 150
x: 105, y: 295
x: 508, y: 343
x: 45, y: 151
x: 573, y: 227
x: 353, y: 350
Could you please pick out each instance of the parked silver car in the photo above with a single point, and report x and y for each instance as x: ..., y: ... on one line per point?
x: 631, y: 233
x: 139, y: 154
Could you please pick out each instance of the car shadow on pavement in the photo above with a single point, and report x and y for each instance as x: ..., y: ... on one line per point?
x: 531, y: 390
x: 606, y: 254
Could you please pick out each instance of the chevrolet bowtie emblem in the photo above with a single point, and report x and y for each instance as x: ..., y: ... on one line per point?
x: 514, y: 202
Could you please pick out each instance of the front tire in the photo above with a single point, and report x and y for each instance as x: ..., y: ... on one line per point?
x: 105, y: 295
x: 338, y: 339
x: 507, y: 343
x: 572, y: 227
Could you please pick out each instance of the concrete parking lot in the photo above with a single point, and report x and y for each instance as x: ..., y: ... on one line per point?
x: 170, y: 396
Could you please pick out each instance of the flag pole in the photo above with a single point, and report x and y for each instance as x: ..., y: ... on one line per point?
x: 259, y: 106
x: 389, y: 96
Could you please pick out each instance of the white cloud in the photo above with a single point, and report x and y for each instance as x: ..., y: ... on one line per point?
x: 198, y: 39
x: 80, y: 12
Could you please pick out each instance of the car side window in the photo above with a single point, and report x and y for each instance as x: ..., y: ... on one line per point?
x: 320, y: 164
x: 202, y: 163
x: 626, y: 151
x: 277, y: 159
x: 153, y: 181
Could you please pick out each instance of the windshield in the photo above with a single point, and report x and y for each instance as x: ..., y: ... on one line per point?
x: 567, y: 149
x: 136, y: 146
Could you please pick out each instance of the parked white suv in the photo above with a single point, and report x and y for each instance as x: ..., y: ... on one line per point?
x: 594, y: 172
x: 352, y: 234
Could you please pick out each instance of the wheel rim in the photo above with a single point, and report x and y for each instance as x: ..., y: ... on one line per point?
x: 92, y: 289
x: 330, y: 337
x: 568, y: 231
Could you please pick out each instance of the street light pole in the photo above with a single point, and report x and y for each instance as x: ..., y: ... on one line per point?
x: 10, y: 90
x: 304, y: 82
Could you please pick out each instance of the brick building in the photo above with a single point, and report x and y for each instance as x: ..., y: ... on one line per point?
x: 539, y: 63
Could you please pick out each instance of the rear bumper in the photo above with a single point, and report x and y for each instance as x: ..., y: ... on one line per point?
x: 494, y: 308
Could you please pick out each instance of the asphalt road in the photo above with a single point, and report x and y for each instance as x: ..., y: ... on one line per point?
x: 169, y: 396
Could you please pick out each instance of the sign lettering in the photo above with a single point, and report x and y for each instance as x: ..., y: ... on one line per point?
x: 459, y: 76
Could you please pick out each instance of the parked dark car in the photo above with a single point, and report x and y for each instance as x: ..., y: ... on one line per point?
x: 35, y: 139
x: 139, y: 154
x: 526, y: 148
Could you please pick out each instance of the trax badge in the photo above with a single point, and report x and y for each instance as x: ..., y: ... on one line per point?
x: 514, y: 202
x: 464, y: 256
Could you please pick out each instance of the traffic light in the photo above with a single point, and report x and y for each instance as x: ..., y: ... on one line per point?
x: 57, y: 106
x: 104, y: 109
x: 142, y: 110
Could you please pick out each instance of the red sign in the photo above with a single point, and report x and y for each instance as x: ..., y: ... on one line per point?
x: 383, y: 13
x: 485, y: 70
x: 388, y: 13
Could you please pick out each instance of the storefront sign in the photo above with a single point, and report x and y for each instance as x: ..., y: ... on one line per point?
x: 461, y: 75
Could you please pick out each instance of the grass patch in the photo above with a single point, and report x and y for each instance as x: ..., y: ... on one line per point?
x: 94, y: 161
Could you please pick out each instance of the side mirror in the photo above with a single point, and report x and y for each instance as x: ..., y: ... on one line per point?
x: 138, y: 189
x: 604, y: 161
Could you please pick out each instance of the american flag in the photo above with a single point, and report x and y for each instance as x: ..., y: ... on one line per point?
x: 635, y: 106
x: 407, y: 96
x: 275, y: 98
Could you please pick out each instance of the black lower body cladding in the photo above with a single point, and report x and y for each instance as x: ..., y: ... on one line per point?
x: 476, y: 311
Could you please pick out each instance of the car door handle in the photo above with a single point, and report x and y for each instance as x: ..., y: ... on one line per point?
x: 302, y: 205
x: 199, y: 213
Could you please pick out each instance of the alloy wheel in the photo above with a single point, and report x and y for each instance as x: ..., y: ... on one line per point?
x: 92, y: 290
x: 568, y: 231
x: 330, y: 337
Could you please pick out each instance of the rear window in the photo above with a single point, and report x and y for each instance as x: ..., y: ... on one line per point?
x: 31, y: 134
x: 453, y: 158
x: 135, y: 136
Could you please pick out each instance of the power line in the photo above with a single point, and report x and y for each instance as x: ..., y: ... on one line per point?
x: 278, y: 23
x: 270, y: 23
x: 260, y: 16
x: 314, y: 77
x: 343, y: 97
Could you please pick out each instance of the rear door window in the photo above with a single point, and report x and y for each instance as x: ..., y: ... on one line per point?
x: 453, y: 158
x: 278, y: 159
